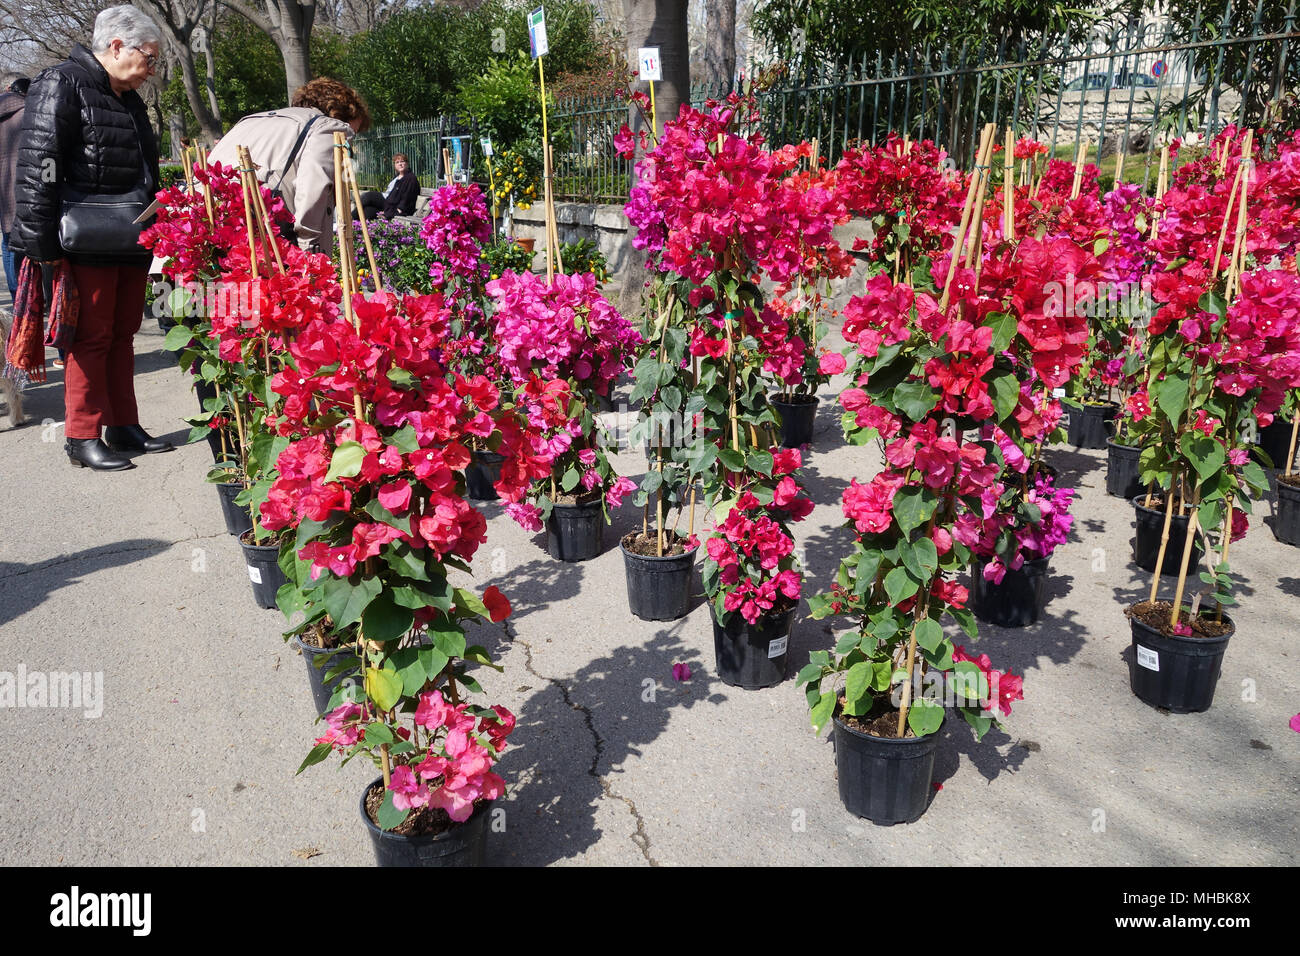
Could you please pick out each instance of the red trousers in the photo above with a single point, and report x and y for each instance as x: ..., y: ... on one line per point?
x: 99, y: 380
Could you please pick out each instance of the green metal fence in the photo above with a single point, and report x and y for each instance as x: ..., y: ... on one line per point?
x: 422, y: 141
x: 1129, y: 85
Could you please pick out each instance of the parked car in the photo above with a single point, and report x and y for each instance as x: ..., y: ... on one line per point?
x: 1113, y: 81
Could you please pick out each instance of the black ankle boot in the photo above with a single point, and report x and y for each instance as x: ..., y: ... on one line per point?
x: 93, y: 453
x: 134, y: 438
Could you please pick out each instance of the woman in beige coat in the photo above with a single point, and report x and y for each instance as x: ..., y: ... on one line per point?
x: 305, y: 180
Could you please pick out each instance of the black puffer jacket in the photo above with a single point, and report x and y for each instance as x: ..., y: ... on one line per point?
x: 78, y: 132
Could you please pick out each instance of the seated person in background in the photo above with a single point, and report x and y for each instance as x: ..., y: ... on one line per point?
x: 400, y: 196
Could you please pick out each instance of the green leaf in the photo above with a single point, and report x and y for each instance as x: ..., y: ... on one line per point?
x: 899, y: 585
x: 432, y: 660
x: 346, y: 461
x: 386, y: 620
x: 450, y: 642
x: 821, y: 712
x: 857, y: 686
x: 929, y: 634
x: 925, y: 716
x: 345, y: 602
x: 570, y: 479
x: 731, y: 459
x: 403, y: 559
x: 383, y: 687
x: 970, y: 681
x: 702, y: 457
x: 978, y: 721
x: 912, y: 508
x: 914, y: 399
x: 761, y: 462
x: 1004, y: 325
x: 317, y: 754
x: 177, y: 337
x: 927, y: 555
x: 378, y: 734
x: 469, y: 604
x: 1213, y: 303
x: 404, y: 439
x: 1171, y: 395
x: 1006, y: 395
x: 810, y: 672
x: 652, y: 482
x: 389, y: 816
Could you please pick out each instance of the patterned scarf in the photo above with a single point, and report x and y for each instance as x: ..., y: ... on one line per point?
x: 25, y: 351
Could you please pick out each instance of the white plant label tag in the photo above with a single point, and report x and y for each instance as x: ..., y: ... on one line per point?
x: 1058, y: 393
x: 1148, y: 658
x: 777, y: 647
x: 254, y: 574
x: 648, y: 62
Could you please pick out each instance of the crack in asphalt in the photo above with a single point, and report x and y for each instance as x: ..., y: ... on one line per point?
x: 641, y: 838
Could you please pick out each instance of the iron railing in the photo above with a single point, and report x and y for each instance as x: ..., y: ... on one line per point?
x: 1127, y: 86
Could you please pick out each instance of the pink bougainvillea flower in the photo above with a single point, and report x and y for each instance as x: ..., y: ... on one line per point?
x: 1295, y: 723
x: 681, y: 672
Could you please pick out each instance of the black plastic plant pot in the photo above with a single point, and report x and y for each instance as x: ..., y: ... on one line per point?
x: 659, y: 589
x: 263, y: 561
x: 322, y: 690
x: 752, y: 656
x: 204, y: 391
x: 1146, y: 541
x: 1286, y: 519
x: 797, y: 419
x: 1176, y: 673
x: 1275, y: 440
x: 886, y: 780
x: 483, y: 472
x: 237, y: 517
x: 465, y: 844
x: 1122, y: 479
x: 1015, y: 601
x: 575, y: 532
x: 1088, y: 425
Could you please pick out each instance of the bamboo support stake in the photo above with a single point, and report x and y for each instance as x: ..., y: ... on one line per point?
x: 553, y: 225
x: 659, y: 508
x: 1162, y: 183
x: 207, y: 193
x: 1119, y: 166
x: 350, y: 175
x: 959, y: 243
x: 975, y: 248
x: 186, y: 169
x: 1290, y: 448
x: 347, y: 260
x: 1188, y: 542
x: 248, y: 221
x: 550, y: 212
x: 446, y: 165
x: 264, y: 216
x: 907, y: 685
x: 1077, y: 187
x: 1164, y: 539
x: 1009, y: 186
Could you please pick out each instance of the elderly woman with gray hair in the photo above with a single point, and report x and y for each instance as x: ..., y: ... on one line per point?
x: 87, y: 159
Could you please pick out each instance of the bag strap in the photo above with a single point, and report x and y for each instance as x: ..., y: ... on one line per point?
x: 293, y: 153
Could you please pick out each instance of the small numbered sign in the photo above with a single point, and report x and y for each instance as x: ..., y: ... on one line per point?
x: 537, y: 33
x: 486, y: 145
x: 649, y: 66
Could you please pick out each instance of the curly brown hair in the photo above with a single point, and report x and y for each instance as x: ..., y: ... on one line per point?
x: 333, y: 99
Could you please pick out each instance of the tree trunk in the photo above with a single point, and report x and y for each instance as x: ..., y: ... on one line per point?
x: 718, y: 70
x: 176, y: 127
x: 288, y: 23
x: 211, y: 82
x: 208, y: 124
x: 660, y: 23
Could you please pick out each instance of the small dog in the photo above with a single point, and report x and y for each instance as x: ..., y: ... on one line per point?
x: 11, y: 392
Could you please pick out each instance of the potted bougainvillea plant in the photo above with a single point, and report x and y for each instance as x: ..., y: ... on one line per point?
x: 945, y: 352
x: 563, y: 345
x: 717, y: 211
x: 1224, y: 346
